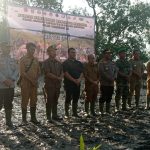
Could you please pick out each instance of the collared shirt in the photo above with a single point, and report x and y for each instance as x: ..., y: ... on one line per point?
x: 34, y: 70
x: 8, y: 70
x: 91, y: 71
x: 74, y: 68
x: 55, y: 67
x: 107, y: 70
x: 124, y: 67
x: 138, y: 67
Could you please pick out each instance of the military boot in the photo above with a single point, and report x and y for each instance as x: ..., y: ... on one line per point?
x: 101, y: 107
x: 107, y: 107
x: 137, y: 101
x: 147, y: 103
x: 74, y: 110
x: 117, y: 101
x: 124, y: 105
x: 24, y: 114
x: 86, y: 107
x: 8, y: 114
x: 33, y: 115
x: 48, y: 113
x: 92, y: 108
x: 67, y: 109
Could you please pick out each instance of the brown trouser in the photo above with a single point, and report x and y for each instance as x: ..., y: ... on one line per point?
x: 135, y: 86
x: 52, y: 100
x: 148, y: 88
x: 28, y: 92
x: 91, y: 92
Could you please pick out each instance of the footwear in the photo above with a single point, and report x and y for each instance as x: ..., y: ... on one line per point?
x: 147, y: 103
x: 33, y: 115
x: 108, y: 108
x: 86, y: 105
x: 8, y: 114
x: 66, y: 109
x: 24, y: 113
x: 92, y: 108
x: 101, y: 107
x: 74, y: 110
x: 57, y: 118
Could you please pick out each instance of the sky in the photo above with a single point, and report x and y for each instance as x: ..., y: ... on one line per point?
x: 83, y: 3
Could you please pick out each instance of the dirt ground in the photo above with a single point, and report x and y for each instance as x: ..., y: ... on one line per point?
x: 128, y: 130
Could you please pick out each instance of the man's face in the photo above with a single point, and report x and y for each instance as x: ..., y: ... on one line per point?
x: 107, y: 55
x: 136, y: 55
x: 52, y: 53
x: 31, y: 50
x: 72, y: 54
x: 91, y: 59
x: 122, y: 55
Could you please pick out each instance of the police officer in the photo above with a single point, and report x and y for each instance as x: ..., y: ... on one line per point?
x: 107, y: 73
x: 136, y: 77
x: 29, y: 72
x: 8, y: 76
x: 122, y: 81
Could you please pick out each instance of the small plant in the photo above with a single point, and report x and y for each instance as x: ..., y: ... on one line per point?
x: 82, y: 145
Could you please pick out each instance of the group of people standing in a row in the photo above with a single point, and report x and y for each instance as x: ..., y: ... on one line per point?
x: 126, y: 74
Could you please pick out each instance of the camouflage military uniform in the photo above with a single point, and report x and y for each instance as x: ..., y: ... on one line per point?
x: 122, y: 83
x: 136, y: 80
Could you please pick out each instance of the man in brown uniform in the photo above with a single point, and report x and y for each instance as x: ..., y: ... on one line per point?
x: 136, y: 78
x: 108, y: 73
x: 53, y: 77
x: 148, y: 86
x: 29, y: 72
x: 91, y: 84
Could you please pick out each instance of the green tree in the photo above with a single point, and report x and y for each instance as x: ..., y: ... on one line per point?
x: 120, y: 24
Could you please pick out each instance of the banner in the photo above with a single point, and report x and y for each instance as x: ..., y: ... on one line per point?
x: 19, y: 38
x: 35, y: 19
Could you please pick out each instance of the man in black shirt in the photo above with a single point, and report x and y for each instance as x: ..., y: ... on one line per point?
x: 73, y: 72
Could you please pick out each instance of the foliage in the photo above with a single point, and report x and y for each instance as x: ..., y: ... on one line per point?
x: 82, y: 145
x: 120, y: 24
x: 54, y: 5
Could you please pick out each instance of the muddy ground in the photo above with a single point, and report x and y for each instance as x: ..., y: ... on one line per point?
x: 119, y: 131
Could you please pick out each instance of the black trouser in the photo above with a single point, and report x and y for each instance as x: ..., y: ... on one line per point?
x: 106, y: 93
x: 6, y: 98
x: 72, y: 94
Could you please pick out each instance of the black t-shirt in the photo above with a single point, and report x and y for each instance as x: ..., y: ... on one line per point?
x: 74, y: 68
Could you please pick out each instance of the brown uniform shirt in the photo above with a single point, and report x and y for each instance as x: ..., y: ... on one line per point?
x: 33, y: 72
x: 138, y: 67
x: 90, y: 73
x: 148, y: 71
x: 55, y: 67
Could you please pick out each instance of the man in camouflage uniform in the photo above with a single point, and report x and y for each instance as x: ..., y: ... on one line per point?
x: 29, y: 73
x: 148, y: 86
x: 122, y: 81
x: 8, y: 76
x: 91, y: 75
x: 136, y: 78
x: 107, y: 73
